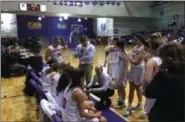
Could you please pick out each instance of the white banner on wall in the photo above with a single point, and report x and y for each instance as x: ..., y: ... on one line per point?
x: 105, y: 27
x: 8, y: 25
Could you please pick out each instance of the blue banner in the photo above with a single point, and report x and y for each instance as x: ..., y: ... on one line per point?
x: 61, y: 3
x: 70, y: 3
x: 87, y: 2
x: 115, y: 31
x: 66, y: 3
x: 78, y: 3
x: 101, y: 3
x: 55, y: 2
x: 81, y: 3
x: 118, y: 3
x: 94, y: 2
x: 108, y: 2
x: 113, y: 2
x: 70, y: 29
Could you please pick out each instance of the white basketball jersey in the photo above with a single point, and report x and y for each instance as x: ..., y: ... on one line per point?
x: 158, y: 61
x: 54, y: 84
x: 121, y: 61
x: 50, y: 85
x: 44, y: 74
x: 136, y: 52
x: 70, y: 107
x: 56, y: 53
x: 150, y: 102
x: 113, y: 56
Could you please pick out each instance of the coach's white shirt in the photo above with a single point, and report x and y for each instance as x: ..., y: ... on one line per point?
x: 104, y: 80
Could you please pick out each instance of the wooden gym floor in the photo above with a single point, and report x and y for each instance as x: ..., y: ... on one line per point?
x: 17, y: 107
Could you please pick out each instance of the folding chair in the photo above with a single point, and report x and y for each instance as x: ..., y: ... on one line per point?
x: 48, y: 110
x: 38, y: 89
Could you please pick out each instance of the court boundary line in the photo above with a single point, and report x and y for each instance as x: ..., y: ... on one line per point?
x: 111, y: 109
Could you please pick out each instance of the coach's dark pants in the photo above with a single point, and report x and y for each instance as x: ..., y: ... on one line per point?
x: 87, y: 68
x: 52, y: 61
x: 104, y: 95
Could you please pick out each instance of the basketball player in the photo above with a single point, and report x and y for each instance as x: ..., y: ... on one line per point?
x: 74, y: 100
x: 152, y: 67
x: 107, y: 53
x: 136, y: 73
x: 51, y: 92
x: 113, y: 69
x: 112, y: 58
x: 123, y: 75
x: 53, y: 53
x: 51, y: 80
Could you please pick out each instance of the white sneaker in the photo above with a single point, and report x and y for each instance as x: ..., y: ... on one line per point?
x: 127, y: 113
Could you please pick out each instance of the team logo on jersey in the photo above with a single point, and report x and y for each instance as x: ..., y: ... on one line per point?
x: 64, y: 102
x: 103, y: 26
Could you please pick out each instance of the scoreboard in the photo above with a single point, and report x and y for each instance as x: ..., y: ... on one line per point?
x: 32, y: 7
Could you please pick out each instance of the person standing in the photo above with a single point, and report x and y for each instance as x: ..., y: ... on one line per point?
x: 151, y: 69
x: 112, y: 58
x: 110, y: 43
x: 53, y: 53
x: 167, y: 86
x: 85, y: 52
x: 122, y: 77
x: 136, y: 74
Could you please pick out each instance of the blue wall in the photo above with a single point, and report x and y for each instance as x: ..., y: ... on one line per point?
x: 50, y: 28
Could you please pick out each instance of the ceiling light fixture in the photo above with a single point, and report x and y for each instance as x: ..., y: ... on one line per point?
x: 60, y: 19
x: 79, y: 20
x: 85, y: 18
x: 65, y: 17
x: 39, y: 18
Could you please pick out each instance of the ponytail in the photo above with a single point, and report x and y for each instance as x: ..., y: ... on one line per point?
x: 121, y: 44
x: 64, y: 79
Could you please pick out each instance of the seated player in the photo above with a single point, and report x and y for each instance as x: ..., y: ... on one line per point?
x: 75, y: 103
x: 53, y: 100
x: 50, y: 81
x: 104, y: 89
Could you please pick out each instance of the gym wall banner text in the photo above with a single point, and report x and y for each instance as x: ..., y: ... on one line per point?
x: 49, y: 27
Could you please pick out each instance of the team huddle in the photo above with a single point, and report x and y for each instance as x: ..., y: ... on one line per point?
x: 68, y: 89
x: 144, y: 64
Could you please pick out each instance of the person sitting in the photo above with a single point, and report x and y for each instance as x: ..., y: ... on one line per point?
x: 104, y: 89
x: 75, y: 103
x: 10, y: 64
x: 51, y: 80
